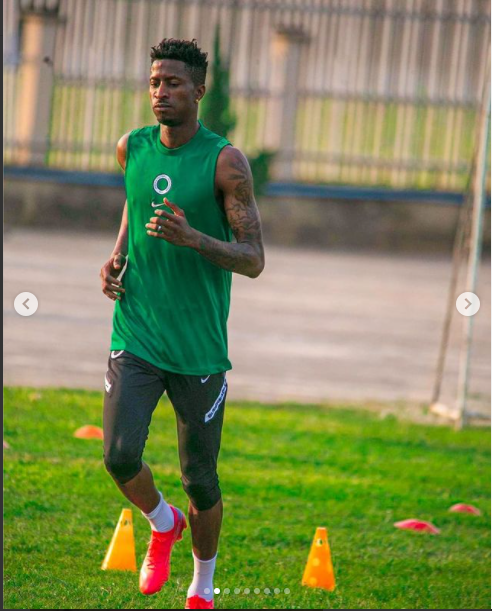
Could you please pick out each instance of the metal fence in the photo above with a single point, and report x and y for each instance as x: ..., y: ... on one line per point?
x: 375, y: 92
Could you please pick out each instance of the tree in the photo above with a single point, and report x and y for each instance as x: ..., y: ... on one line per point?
x: 216, y: 109
x: 218, y: 116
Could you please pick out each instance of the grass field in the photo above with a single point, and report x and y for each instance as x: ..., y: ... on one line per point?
x: 284, y: 471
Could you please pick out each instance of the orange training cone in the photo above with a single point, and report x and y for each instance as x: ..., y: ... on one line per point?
x: 319, y: 568
x: 121, y: 551
x: 89, y: 431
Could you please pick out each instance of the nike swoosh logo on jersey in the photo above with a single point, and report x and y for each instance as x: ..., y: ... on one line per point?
x: 157, y: 205
x: 115, y: 355
x: 203, y: 380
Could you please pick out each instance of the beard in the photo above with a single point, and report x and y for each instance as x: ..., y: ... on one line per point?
x: 169, y: 122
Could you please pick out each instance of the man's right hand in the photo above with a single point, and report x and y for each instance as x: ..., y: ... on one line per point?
x: 111, y: 286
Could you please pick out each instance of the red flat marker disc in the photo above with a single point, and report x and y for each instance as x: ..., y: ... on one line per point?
x: 464, y: 508
x: 418, y: 525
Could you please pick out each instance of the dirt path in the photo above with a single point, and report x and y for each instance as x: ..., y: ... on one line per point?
x: 315, y: 326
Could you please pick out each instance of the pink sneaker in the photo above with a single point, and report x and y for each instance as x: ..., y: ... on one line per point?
x: 196, y: 602
x: 156, y: 565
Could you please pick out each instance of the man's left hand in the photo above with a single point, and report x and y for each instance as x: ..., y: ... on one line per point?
x: 173, y: 228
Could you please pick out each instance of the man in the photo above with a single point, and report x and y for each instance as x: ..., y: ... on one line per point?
x: 188, y: 192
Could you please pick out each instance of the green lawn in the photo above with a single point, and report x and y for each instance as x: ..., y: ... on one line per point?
x: 284, y: 471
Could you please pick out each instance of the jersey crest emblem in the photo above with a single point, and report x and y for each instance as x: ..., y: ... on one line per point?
x: 160, y: 181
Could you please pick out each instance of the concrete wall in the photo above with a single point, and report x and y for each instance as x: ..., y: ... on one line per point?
x: 348, y: 224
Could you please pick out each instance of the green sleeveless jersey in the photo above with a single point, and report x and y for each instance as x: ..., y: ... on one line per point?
x: 175, y: 308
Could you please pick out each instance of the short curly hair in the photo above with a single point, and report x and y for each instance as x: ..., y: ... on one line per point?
x: 186, y: 51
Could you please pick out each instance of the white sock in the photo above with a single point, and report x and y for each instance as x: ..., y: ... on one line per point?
x: 203, y: 579
x: 161, y: 518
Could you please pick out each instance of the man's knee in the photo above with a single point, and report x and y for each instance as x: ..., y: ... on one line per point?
x: 122, y: 466
x: 203, y: 494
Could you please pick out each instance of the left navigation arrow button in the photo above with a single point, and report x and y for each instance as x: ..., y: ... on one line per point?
x: 26, y: 304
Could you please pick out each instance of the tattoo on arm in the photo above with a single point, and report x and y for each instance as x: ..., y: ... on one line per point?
x: 246, y: 256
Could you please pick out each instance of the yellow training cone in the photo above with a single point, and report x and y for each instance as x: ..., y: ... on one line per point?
x: 121, y: 551
x: 319, y: 568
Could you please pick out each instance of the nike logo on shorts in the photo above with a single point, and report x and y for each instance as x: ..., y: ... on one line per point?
x: 107, y: 384
x: 115, y: 354
x: 203, y: 380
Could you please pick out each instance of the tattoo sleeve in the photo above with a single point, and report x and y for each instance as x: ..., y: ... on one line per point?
x: 246, y: 255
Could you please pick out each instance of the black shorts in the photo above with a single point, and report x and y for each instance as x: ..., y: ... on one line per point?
x: 133, y: 389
